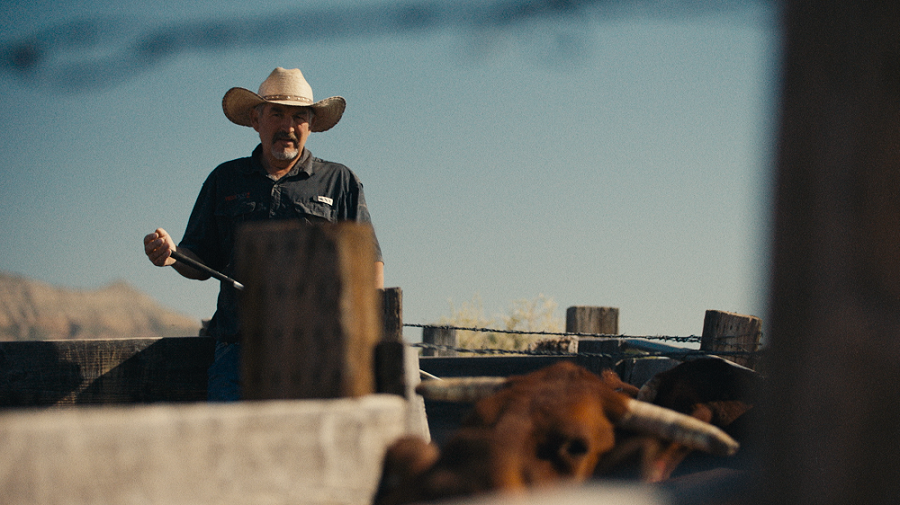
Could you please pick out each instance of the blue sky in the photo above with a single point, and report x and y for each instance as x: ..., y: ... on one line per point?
x: 620, y: 156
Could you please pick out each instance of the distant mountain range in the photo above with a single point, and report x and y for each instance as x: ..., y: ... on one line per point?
x: 34, y: 310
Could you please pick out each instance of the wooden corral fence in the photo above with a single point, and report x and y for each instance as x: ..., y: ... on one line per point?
x: 324, y: 449
x: 128, y: 371
x: 145, y: 370
x: 321, y: 333
x: 153, y: 370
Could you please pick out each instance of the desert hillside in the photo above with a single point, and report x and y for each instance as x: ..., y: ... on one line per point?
x: 33, y: 310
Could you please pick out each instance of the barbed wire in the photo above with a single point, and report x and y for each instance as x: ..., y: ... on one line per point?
x: 688, y: 339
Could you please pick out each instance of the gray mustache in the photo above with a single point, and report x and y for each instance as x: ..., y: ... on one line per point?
x: 284, y: 136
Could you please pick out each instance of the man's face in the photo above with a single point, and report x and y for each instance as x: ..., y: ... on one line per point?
x: 283, y: 130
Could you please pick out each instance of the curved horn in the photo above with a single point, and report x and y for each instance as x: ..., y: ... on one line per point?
x: 677, y: 427
x: 460, y: 389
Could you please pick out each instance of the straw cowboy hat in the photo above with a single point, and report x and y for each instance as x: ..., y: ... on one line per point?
x: 285, y: 87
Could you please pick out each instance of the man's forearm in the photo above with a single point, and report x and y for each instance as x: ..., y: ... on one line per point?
x: 379, y: 275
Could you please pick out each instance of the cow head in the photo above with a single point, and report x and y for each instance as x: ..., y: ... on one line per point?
x: 546, y: 427
x: 710, y: 389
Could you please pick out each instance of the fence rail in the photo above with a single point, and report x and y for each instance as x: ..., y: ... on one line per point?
x: 635, y: 350
x: 174, y: 369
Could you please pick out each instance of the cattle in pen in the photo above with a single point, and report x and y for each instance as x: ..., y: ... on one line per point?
x: 547, y: 427
x: 713, y: 389
x: 710, y: 389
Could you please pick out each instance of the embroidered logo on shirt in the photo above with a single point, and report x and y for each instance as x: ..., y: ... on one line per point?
x: 325, y: 200
x: 239, y: 196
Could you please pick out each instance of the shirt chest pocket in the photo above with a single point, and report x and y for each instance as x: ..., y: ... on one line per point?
x: 241, y: 211
x: 314, y: 212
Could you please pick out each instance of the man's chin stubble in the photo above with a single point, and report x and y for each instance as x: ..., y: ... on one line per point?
x: 285, y: 155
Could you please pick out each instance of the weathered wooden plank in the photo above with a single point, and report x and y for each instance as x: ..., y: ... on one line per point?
x: 436, y: 335
x: 599, y: 353
x: 67, y: 372
x: 310, y: 311
x: 274, y: 452
x: 596, y: 320
x: 730, y: 332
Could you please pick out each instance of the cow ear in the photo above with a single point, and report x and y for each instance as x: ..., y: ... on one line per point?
x: 612, y: 379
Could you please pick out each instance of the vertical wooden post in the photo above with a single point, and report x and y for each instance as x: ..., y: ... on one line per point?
x: 730, y: 332
x: 835, y: 297
x: 392, y: 310
x: 598, y: 354
x: 599, y: 320
x: 310, y: 310
x: 390, y: 364
x: 439, y: 336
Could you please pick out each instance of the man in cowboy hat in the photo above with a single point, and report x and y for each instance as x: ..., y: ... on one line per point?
x: 280, y: 180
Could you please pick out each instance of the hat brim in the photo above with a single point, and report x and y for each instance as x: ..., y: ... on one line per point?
x: 238, y: 102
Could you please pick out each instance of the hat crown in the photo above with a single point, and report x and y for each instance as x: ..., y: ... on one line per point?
x: 286, y: 85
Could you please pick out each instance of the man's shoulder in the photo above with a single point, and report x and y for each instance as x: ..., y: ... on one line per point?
x: 316, y: 161
x: 242, y: 164
x: 321, y: 167
x: 237, y: 168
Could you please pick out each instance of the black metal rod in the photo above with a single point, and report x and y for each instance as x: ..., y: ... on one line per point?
x: 203, y: 268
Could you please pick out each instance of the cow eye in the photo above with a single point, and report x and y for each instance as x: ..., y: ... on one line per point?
x: 576, y: 447
x: 568, y: 448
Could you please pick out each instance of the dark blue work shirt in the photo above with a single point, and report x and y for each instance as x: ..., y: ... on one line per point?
x: 238, y: 191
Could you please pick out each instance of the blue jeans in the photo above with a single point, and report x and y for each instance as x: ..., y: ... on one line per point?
x: 224, y: 374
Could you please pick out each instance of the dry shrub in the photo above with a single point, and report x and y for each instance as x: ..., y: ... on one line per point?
x: 538, y: 314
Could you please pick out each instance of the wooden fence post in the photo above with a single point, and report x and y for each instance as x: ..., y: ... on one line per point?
x: 390, y: 368
x: 439, y: 336
x: 599, y: 320
x: 835, y: 297
x: 730, y: 332
x: 392, y: 310
x: 310, y: 310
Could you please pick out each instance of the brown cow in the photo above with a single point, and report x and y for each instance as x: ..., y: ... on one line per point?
x: 546, y: 427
